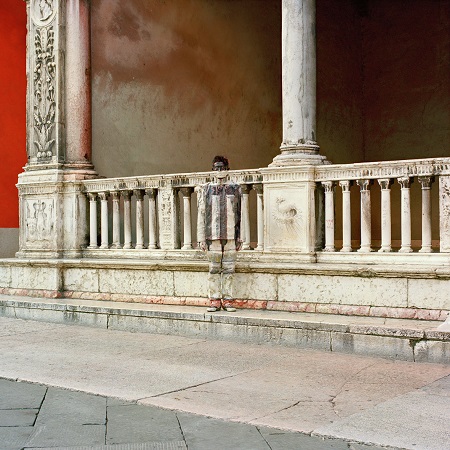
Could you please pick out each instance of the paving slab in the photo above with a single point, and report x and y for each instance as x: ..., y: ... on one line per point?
x: 206, y: 434
x: 17, y: 417
x: 14, y: 437
x: 59, y: 434
x: 17, y: 396
x: 72, y: 408
x: 137, y: 424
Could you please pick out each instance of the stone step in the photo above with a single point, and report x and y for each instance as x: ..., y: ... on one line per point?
x: 402, y: 339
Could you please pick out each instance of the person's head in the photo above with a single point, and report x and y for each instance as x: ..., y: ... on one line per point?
x: 221, y: 166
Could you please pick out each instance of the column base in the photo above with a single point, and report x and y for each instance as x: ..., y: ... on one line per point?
x: 299, y: 155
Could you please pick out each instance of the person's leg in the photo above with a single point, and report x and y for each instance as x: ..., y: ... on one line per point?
x: 228, y: 268
x: 214, y: 255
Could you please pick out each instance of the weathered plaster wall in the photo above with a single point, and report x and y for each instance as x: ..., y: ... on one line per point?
x: 406, y: 79
x: 175, y: 83
x: 339, y: 81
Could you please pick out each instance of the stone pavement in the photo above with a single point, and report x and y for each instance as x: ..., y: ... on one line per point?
x: 239, y: 389
x: 34, y: 416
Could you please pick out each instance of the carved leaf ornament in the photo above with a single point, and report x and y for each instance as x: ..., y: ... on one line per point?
x: 44, y: 80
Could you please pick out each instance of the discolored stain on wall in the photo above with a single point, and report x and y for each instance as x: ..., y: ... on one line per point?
x: 176, y: 82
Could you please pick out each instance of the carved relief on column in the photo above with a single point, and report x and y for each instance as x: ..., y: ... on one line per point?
x: 329, y: 187
x: 43, y: 81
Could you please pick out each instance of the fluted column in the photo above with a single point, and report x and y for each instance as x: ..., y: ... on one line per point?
x: 259, y: 188
x: 405, y: 183
x: 329, y: 215
x: 139, y: 194
x: 93, y: 220
x: 187, y: 226
x: 245, y: 216
x: 151, y: 193
x: 366, y: 216
x: 346, y: 216
x: 116, y: 219
x: 126, y: 219
x: 298, y: 55
x: 104, y: 219
x: 386, y: 227
x: 426, y: 214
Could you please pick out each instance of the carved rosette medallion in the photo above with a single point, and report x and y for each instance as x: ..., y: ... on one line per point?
x: 44, y: 79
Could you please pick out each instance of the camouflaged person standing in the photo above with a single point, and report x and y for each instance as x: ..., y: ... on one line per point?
x: 219, y: 233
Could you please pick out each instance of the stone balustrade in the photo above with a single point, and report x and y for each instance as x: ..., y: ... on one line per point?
x: 383, y: 176
x: 158, y: 212
x: 117, y: 209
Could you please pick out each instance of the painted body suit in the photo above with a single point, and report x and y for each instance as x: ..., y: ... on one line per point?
x: 219, y: 221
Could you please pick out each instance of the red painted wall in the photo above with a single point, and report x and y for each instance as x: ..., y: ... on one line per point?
x: 12, y: 107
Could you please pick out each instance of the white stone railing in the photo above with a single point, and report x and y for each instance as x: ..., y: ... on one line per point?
x: 383, y: 175
x: 168, y: 200
x: 118, y: 206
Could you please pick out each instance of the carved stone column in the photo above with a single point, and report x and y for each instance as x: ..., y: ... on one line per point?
x: 329, y: 215
x: 386, y: 226
x: 58, y: 130
x: 299, y: 146
x: 346, y: 216
x: 366, y: 216
x: 405, y: 183
x: 426, y: 214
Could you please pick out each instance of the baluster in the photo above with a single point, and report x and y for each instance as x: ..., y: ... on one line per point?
x: 366, y: 216
x: 126, y: 219
x: 259, y: 188
x: 386, y: 227
x: 187, y: 227
x: 329, y: 215
x: 116, y: 219
x: 405, y: 183
x: 346, y: 216
x: 104, y: 219
x: 151, y: 218
x: 426, y: 213
x: 93, y: 220
x: 139, y: 194
x: 245, y: 216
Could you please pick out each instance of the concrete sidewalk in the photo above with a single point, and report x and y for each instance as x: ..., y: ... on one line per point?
x: 363, y: 399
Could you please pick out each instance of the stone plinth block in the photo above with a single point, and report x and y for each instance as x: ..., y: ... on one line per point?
x: 143, y: 282
x: 343, y: 290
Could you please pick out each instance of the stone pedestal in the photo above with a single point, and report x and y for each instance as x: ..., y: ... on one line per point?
x: 290, y: 210
x: 52, y: 205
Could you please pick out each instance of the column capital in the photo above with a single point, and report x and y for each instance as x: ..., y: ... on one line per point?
x: 259, y: 188
x: 426, y: 182
x: 405, y: 182
x: 139, y: 194
x: 103, y: 196
x: 246, y: 188
x: 364, y: 185
x: 385, y: 184
x: 115, y: 195
x: 328, y: 186
x: 346, y: 185
x: 151, y: 193
x: 186, y: 191
x: 126, y: 195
